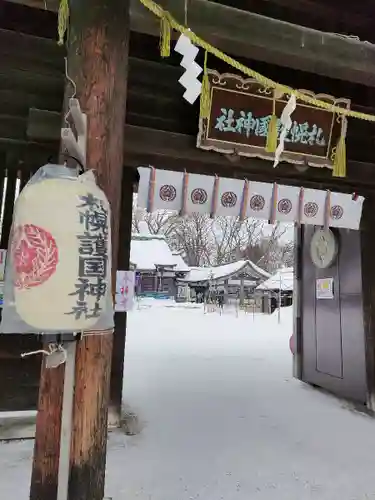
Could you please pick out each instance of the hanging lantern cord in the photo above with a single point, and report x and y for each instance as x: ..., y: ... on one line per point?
x: 82, y: 168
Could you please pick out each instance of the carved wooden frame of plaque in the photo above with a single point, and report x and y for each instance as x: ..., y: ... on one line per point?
x: 237, y: 85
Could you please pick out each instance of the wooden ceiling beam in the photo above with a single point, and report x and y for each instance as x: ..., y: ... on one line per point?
x: 324, y: 10
x: 174, y: 151
x: 168, y: 150
x: 249, y: 35
x: 276, y: 42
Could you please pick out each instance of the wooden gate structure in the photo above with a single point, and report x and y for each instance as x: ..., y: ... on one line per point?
x: 161, y: 127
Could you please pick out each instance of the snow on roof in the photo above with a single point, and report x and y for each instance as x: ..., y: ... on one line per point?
x: 181, y: 266
x: 284, y: 276
x: 150, y: 250
x: 197, y: 274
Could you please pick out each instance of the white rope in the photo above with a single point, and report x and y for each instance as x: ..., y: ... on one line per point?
x: 53, y: 348
x: 32, y: 353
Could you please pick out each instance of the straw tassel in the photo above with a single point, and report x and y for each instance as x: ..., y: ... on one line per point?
x: 205, y: 102
x: 62, y: 22
x: 271, y: 143
x: 339, y: 164
x: 165, y: 36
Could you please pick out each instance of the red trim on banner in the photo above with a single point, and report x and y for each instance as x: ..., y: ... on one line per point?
x: 185, y: 185
x: 327, y: 210
x: 274, y: 203
x: 300, y: 206
x: 215, y: 195
x: 245, y: 199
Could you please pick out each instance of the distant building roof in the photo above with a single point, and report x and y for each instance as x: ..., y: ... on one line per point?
x: 198, y: 274
x: 283, y: 279
x: 147, y: 251
x: 181, y: 266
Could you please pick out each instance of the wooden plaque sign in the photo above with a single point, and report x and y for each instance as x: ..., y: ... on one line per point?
x: 240, y: 114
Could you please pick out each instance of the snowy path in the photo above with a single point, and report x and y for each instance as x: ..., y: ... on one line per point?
x: 222, y: 418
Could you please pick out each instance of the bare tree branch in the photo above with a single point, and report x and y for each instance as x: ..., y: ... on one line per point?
x: 204, y: 241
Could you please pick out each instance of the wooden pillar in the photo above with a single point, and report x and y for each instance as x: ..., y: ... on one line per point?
x: 368, y: 292
x: 97, y: 63
x: 118, y: 352
x: 242, y: 290
x: 47, y: 437
x: 226, y: 291
x: 156, y: 279
x: 11, y: 173
x: 297, y: 301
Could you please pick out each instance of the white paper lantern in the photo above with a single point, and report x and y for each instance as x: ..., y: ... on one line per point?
x: 58, y: 275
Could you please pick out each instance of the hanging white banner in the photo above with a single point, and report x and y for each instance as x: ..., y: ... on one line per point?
x: 313, y: 207
x: 260, y: 200
x: 168, y: 190
x: 199, y: 194
x: 345, y: 210
x: 264, y: 200
x: 229, y: 197
x: 143, y: 186
x: 287, y: 203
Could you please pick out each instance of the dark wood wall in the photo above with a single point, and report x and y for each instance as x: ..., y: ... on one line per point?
x: 19, y: 377
x: 32, y: 70
x: 350, y: 18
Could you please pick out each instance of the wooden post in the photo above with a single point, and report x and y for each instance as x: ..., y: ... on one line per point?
x: 97, y: 63
x: 47, y: 437
x: 11, y: 172
x: 129, y: 178
x: 368, y: 293
x: 297, y: 301
x: 242, y: 290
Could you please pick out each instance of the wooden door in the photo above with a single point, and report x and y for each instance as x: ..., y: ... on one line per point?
x: 333, y: 339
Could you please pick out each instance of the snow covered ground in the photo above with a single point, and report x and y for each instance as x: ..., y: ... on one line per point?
x: 221, y: 418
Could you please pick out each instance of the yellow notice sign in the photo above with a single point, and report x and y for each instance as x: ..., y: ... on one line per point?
x: 324, y: 288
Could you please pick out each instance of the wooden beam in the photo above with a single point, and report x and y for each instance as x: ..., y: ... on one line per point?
x: 178, y: 152
x: 44, y: 125
x: 253, y: 36
x: 322, y: 10
x: 257, y: 37
x: 169, y: 150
